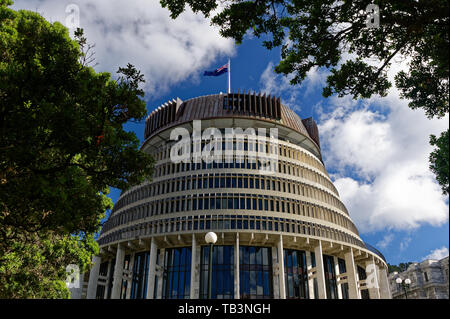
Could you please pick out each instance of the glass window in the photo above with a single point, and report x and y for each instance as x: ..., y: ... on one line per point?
x: 362, y: 276
x: 100, y: 293
x: 222, y: 285
x: 330, y: 277
x: 177, y: 273
x: 140, y: 274
x: 255, y: 272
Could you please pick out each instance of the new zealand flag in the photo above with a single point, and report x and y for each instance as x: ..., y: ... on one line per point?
x: 223, y: 69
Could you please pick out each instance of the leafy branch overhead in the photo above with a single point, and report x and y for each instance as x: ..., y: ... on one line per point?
x: 323, y: 33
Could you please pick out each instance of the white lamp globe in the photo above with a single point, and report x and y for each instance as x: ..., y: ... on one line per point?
x: 211, y: 238
x: 398, y: 280
x: 408, y: 281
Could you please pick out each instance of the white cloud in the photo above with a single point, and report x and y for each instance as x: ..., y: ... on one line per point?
x: 377, y: 150
x: 386, y: 241
x: 381, y: 163
x: 279, y: 84
x: 437, y: 253
x: 405, y: 243
x: 359, y: 140
x: 142, y: 33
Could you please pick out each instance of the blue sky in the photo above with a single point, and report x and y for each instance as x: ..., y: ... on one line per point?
x: 375, y: 150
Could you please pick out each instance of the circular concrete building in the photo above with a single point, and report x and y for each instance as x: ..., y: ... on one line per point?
x: 263, y: 189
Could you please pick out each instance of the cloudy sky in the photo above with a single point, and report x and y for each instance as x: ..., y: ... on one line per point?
x: 375, y: 150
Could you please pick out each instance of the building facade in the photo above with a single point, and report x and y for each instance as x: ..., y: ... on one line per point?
x: 429, y: 280
x: 282, y: 230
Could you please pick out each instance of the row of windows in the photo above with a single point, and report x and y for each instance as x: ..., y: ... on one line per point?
x: 228, y: 180
x: 246, y: 144
x: 167, y: 167
x: 230, y: 201
x: 227, y: 222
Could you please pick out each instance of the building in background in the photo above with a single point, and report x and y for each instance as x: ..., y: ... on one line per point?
x: 282, y: 232
x: 429, y: 280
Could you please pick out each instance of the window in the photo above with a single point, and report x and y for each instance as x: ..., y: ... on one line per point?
x: 330, y: 277
x: 295, y: 274
x: 255, y: 272
x: 100, y: 292
x: 362, y: 276
x: 342, y: 270
x: 177, y: 273
x: 140, y: 274
x: 222, y: 285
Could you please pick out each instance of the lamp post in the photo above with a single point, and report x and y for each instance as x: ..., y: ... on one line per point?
x: 405, y: 284
x: 211, y: 239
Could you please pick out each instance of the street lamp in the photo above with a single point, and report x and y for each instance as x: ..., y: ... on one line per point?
x: 405, y: 284
x: 211, y: 239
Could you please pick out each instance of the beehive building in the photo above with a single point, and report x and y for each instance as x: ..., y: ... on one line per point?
x: 282, y: 233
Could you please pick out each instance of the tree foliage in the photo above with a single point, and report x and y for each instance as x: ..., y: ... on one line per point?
x: 399, y: 268
x: 335, y: 35
x: 439, y: 160
x: 62, y: 146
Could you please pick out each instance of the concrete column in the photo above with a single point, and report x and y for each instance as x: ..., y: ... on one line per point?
x: 351, y: 275
x: 193, y: 267
x: 385, y: 292
x: 107, y: 280
x: 160, y: 273
x: 237, y: 290
x: 281, y: 268
x: 310, y: 276
x: 93, y: 278
x: 320, y: 272
x: 198, y: 257
x: 275, y: 277
x: 118, y: 272
x: 336, y: 270
x: 372, y: 279
x: 152, y: 269
x: 358, y: 284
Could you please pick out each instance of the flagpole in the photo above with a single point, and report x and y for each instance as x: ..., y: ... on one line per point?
x: 229, y: 76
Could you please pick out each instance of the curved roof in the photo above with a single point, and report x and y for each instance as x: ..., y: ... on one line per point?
x: 241, y: 105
